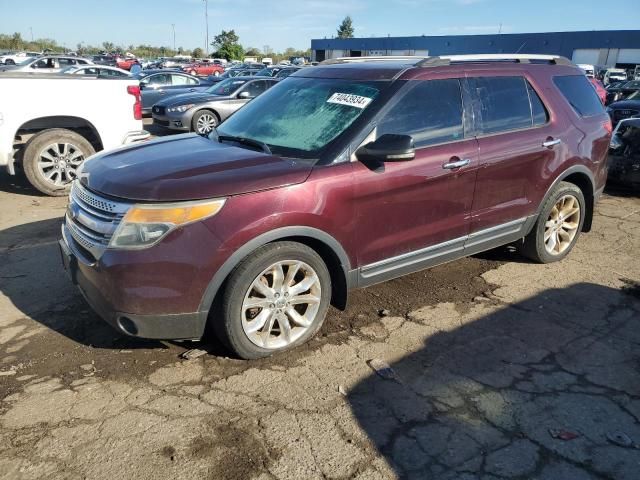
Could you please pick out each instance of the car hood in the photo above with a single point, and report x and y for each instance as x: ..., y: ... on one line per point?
x: 192, y: 97
x: 187, y: 167
x: 623, y: 104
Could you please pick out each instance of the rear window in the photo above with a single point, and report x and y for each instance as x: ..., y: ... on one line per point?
x: 580, y: 94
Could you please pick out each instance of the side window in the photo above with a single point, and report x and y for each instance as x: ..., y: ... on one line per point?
x: 431, y: 112
x: 178, y: 80
x: 538, y: 112
x: 504, y: 103
x: 88, y: 71
x: 161, y: 79
x: 580, y: 94
x: 66, y: 62
x: 255, y: 88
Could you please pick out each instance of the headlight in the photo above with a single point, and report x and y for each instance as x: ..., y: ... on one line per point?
x: 181, y: 108
x: 145, y: 225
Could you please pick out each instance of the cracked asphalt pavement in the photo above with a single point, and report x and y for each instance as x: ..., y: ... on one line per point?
x: 497, y: 369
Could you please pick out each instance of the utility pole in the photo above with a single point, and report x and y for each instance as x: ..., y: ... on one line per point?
x: 173, y: 25
x: 206, y: 21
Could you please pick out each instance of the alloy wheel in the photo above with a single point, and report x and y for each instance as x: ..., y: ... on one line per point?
x: 58, y: 162
x: 562, y: 225
x: 205, y: 124
x: 281, y: 304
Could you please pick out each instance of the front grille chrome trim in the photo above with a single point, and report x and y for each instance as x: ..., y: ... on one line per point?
x: 92, y: 219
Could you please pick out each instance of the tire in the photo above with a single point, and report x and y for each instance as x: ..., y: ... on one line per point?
x: 537, y: 243
x: 9, y: 62
x: 202, y: 120
x: 45, y: 153
x: 235, y: 322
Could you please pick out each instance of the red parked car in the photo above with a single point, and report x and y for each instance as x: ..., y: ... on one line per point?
x: 125, y: 62
x: 600, y: 90
x: 204, y: 69
x: 341, y: 176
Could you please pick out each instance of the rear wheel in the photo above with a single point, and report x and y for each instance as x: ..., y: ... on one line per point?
x: 204, y: 122
x: 276, y: 299
x: 558, y: 227
x: 52, y: 157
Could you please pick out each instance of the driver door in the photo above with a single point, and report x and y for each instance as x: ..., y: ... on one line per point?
x: 416, y: 213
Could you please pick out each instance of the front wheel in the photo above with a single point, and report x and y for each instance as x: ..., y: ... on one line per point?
x: 276, y: 299
x: 204, y: 122
x: 559, y: 225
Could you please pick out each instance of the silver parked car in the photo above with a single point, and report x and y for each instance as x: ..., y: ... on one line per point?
x: 201, y: 112
x: 96, y: 71
x: 45, y: 64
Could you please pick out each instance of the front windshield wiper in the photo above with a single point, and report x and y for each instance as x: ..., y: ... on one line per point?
x: 245, y: 141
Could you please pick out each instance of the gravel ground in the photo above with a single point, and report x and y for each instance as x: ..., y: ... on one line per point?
x: 497, y: 368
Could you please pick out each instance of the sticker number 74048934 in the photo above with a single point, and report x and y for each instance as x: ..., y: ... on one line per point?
x: 349, y: 99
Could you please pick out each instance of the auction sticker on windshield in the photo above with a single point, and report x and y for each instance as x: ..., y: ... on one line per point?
x: 357, y: 101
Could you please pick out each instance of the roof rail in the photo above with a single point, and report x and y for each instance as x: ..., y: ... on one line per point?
x: 378, y: 58
x: 421, y: 61
x: 495, y: 57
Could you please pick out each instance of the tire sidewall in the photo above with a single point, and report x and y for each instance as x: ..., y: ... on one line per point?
x: 562, y: 190
x: 240, y: 281
x: 34, y: 147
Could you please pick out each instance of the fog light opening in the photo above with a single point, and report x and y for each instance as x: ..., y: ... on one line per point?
x: 127, y: 326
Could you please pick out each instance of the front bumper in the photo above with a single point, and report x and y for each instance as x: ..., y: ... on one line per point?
x: 624, y: 170
x: 100, y: 286
x: 180, y: 121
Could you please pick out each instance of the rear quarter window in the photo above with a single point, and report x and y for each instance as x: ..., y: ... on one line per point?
x: 580, y: 94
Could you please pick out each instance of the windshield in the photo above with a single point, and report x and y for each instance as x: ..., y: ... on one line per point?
x: 301, y: 116
x: 634, y: 96
x: 226, y: 87
x: 25, y: 61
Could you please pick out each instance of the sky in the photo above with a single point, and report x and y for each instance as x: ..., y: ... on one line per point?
x: 293, y: 23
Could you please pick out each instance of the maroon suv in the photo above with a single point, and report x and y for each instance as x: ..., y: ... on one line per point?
x: 341, y: 176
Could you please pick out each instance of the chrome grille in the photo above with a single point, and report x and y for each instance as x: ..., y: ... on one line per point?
x: 93, y: 219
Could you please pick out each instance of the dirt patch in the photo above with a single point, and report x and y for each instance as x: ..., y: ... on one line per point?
x: 244, y: 455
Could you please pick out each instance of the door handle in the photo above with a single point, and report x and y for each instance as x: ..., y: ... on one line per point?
x: 550, y: 142
x: 457, y: 163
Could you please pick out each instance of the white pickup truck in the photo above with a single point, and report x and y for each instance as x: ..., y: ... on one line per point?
x: 51, y: 123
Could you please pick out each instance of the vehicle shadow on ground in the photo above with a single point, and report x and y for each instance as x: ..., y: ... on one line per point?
x: 18, y: 184
x: 32, y: 278
x: 531, y: 390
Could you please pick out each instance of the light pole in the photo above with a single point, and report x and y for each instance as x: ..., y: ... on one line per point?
x: 206, y: 21
x: 173, y: 25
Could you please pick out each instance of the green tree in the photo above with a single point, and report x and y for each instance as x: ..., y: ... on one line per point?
x: 227, y: 45
x: 197, y: 53
x: 252, y: 52
x: 108, y: 46
x: 16, y: 41
x: 345, y: 30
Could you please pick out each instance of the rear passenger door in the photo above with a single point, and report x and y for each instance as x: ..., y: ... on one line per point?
x: 517, y: 141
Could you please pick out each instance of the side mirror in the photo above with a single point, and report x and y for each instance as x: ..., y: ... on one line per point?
x: 388, y: 148
x: 244, y: 95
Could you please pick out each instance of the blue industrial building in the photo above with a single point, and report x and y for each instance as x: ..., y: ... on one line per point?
x: 606, y: 48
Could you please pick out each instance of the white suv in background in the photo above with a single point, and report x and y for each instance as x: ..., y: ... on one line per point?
x: 15, y: 58
x: 46, y: 64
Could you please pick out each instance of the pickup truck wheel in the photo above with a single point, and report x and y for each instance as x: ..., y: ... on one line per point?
x: 204, y: 122
x: 276, y: 299
x: 559, y: 225
x: 51, y: 158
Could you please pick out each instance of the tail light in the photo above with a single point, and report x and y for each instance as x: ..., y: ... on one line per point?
x: 137, y: 107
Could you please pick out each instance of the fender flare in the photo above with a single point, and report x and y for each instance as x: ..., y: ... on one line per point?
x: 274, y: 235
